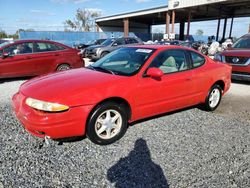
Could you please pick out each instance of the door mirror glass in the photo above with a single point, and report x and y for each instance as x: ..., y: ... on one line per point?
x: 155, y: 73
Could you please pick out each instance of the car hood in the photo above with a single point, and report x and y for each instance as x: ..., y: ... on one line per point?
x: 73, y: 88
x: 95, y: 46
x: 237, y: 52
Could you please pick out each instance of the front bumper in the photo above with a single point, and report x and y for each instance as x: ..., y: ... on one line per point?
x: 93, y: 56
x: 70, y: 123
x: 241, y: 73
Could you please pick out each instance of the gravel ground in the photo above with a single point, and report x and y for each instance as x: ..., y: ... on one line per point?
x: 190, y: 148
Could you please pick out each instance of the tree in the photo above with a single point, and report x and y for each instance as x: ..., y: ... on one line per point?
x: 83, y: 21
x: 199, y: 32
x: 3, y: 34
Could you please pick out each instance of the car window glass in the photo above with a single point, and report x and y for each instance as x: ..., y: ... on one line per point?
x: 170, y: 61
x: 1, y: 52
x: 243, y: 42
x: 46, y: 47
x: 120, y: 41
x: 132, y: 41
x: 20, y: 48
x: 197, y: 59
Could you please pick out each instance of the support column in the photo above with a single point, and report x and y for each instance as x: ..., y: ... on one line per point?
x: 224, y: 29
x: 97, y: 28
x: 218, y: 30
x: 182, y: 29
x: 231, y: 27
x: 167, y: 23
x: 188, y: 24
x: 249, y: 28
x: 173, y: 21
x: 126, y: 27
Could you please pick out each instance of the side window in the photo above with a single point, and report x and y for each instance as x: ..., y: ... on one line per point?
x: 132, y: 41
x: 1, y: 52
x: 46, y: 47
x: 120, y: 41
x: 21, y: 48
x: 197, y: 59
x: 171, y: 61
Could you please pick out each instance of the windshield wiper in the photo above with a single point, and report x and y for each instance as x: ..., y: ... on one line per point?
x: 101, y: 69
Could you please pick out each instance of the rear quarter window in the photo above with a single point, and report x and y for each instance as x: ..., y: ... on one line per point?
x: 197, y: 59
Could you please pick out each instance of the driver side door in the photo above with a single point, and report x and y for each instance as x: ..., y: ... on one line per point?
x: 174, y: 90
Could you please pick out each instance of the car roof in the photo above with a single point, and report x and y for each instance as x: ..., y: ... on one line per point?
x: 156, y: 46
x: 37, y: 40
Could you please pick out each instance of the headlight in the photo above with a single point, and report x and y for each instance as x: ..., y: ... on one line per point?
x: 98, y: 50
x: 45, y: 106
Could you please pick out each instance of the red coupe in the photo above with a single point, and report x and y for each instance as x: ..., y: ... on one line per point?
x: 35, y: 57
x: 128, y: 84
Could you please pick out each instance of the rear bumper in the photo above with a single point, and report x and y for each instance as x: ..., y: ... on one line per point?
x: 55, y: 125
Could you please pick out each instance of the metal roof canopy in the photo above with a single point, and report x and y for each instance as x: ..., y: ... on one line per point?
x: 156, y: 16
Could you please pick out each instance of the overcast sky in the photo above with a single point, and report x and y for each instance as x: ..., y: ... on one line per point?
x: 49, y: 15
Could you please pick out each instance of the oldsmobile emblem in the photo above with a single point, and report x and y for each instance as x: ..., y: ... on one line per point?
x: 235, y: 60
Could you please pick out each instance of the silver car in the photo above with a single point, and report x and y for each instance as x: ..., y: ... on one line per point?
x: 98, y: 51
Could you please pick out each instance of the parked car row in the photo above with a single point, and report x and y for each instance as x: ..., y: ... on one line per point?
x: 96, y: 52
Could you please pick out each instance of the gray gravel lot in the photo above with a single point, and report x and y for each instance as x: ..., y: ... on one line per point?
x: 190, y: 148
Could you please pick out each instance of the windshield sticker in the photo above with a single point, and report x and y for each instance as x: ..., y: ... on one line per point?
x: 144, y: 50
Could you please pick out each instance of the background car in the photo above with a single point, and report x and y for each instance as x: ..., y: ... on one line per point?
x: 238, y: 56
x: 90, y: 43
x: 128, y: 84
x: 97, y: 51
x: 35, y: 57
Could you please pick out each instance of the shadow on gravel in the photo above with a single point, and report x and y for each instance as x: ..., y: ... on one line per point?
x: 137, y: 169
x: 241, y: 82
x: 3, y: 80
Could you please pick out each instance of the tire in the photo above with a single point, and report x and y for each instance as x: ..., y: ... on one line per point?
x: 213, y: 98
x: 103, y: 130
x: 104, y: 54
x: 63, y: 67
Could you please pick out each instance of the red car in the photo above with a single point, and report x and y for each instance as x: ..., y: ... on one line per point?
x: 239, y: 57
x: 35, y: 57
x: 128, y: 84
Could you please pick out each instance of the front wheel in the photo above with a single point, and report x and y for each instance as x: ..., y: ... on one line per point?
x: 63, y: 67
x: 213, y: 98
x: 107, y: 124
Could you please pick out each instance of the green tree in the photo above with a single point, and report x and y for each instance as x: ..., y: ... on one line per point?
x: 84, y: 20
x: 3, y: 34
x: 199, y: 32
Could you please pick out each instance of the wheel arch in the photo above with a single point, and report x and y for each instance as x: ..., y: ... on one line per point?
x: 63, y: 63
x: 117, y: 100
x: 221, y: 83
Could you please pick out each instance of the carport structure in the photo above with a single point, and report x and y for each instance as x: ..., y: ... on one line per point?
x: 177, y: 11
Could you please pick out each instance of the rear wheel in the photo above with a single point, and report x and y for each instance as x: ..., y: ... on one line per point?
x: 107, y: 124
x: 213, y: 98
x: 63, y: 67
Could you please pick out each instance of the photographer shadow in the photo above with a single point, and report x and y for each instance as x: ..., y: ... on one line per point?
x: 137, y: 169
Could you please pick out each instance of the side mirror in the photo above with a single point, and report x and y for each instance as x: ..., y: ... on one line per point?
x: 154, y: 73
x: 115, y: 44
x: 5, y: 55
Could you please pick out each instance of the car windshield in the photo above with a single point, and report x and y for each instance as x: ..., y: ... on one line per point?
x: 4, y: 44
x: 108, y: 42
x: 243, y: 42
x: 124, y: 61
x: 92, y: 42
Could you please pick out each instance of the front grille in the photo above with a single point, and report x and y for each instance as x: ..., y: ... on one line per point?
x: 236, y: 60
